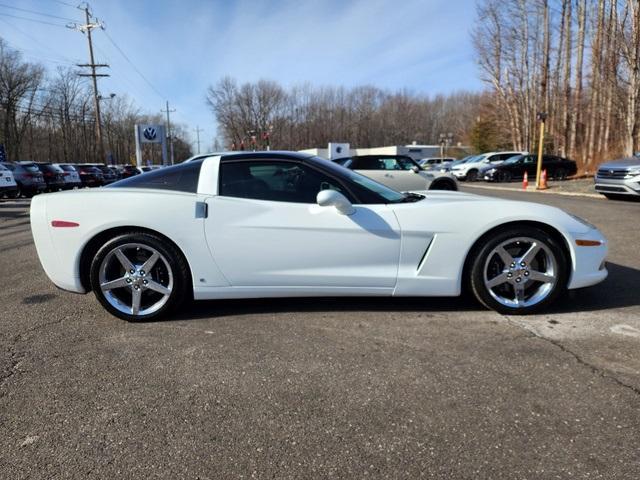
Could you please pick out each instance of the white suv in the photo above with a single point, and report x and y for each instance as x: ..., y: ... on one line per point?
x: 469, y: 169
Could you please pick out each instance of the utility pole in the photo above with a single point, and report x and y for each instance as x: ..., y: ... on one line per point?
x: 86, y: 28
x: 169, y: 136
x: 198, y: 130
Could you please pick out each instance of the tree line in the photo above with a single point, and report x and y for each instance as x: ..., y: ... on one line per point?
x: 49, y: 116
x: 308, y: 116
x: 578, y: 61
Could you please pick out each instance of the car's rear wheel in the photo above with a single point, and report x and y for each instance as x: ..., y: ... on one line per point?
x: 139, y: 276
x: 503, y: 176
x: 560, y: 174
x: 519, y: 270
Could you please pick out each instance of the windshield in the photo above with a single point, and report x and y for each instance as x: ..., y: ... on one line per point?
x: 391, y: 196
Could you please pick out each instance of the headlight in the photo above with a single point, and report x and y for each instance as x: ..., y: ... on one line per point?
x: 583, y: 222
x: 633, y: 172
x: 490, y: 171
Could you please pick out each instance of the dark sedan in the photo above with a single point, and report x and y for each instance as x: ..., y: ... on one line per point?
x: 28, y: 177
x: 108, y: 175
x: 53, y: 176
x: 514, y: 168
x: 128, y: 171
x: 90, y: 176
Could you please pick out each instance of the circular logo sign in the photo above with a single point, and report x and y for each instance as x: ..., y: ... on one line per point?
x: 149, y: 133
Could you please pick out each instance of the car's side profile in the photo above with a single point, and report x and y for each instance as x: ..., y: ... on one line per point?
x: 399, y: 172
x: 470, y: 169
x: 514, y: 168
x: 281, y: 224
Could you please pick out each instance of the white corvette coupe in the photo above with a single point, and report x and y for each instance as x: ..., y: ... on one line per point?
x: 281, y: 224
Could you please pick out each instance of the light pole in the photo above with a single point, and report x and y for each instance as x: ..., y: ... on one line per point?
x: 542, y: 117
x: 109, y: 156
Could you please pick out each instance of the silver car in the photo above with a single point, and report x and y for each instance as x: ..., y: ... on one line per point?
x: 619, y: 178
x: 399, y: 172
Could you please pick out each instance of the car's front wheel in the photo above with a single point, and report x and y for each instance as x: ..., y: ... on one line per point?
x: 519, y: 270
x: 139, y: 276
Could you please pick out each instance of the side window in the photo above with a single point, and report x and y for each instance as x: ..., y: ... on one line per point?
x: 530, y: 159
x: 276, y: 181
x: 370, y: 163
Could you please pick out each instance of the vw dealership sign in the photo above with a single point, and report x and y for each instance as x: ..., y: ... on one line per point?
x: 150, y: 134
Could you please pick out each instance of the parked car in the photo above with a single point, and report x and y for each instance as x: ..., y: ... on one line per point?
x: 71, y: 176
x: 513, y: 169
x: 90, y: 176
x: 28, y: 177
x: 8, y: 185
x: 108, y: 175
x: 470, y: 169
x: 53, y: 176
x: 447, y: 167
x: 127, y: 171
x: 190, y: 230
x: 435, y: 162
x: 399, y: 172
x: 619, y: 179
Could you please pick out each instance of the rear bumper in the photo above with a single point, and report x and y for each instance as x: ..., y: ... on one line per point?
x: 9, y: 188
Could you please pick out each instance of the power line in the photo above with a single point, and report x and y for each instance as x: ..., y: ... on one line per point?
x: 36, y: 41
x: 133, y: 65
x: 33, y: 20
x: 65, y: 3
x: 36, y: 13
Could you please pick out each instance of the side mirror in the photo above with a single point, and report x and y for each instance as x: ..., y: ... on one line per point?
x: 415, y: 169
x: 333, y: 198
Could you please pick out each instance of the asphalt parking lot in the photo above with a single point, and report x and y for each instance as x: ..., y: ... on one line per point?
x: 323, y: 388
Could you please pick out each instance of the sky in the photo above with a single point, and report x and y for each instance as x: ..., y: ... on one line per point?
x: 180, y: 47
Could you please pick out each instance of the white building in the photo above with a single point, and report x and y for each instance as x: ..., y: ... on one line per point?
x: 417, y: 152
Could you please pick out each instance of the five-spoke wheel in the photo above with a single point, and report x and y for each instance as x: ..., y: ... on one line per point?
x: 139, y: 276
x: 519, y: 270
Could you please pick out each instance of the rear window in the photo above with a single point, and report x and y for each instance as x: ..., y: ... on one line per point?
x: 50, y: 168
x: 30, y: 167
x: 181, y: 178
x: 67, y: 168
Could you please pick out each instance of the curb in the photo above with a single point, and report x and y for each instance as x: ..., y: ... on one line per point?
x: 550, y: 191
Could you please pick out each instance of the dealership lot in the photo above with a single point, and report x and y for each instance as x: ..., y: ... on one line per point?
x: 310, y: 388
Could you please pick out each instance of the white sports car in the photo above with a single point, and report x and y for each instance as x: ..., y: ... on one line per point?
x: 281, y: 224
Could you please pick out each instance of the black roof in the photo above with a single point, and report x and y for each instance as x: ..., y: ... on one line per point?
x: 283, y: 154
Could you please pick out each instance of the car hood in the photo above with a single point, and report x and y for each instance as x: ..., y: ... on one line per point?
x: 622, y: 163
x: 478, y: 213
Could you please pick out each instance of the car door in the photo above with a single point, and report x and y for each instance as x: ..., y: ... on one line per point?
x: 393, y: 172
x: 264, y: 229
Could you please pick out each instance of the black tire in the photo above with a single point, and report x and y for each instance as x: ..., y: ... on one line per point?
x: 472, y: 175
x: 181, y: 291
x: 478, y: 258
x: 560, y: 174
x: 503, y: 176
x: 443, y: 185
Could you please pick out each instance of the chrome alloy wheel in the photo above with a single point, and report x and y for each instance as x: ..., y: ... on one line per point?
x: 136, y: 279
x: 520, y: 272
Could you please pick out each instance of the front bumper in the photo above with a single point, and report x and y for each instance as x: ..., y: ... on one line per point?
x: 459, y: 174
x: 626, y: 186
x: 589, y: 267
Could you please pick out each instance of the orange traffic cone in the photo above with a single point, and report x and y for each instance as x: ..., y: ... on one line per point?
x: 543, y: 180
x: 525, y: 181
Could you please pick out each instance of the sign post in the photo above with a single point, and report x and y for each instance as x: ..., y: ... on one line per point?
x: 542, y: 117
x: 150, y: 134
